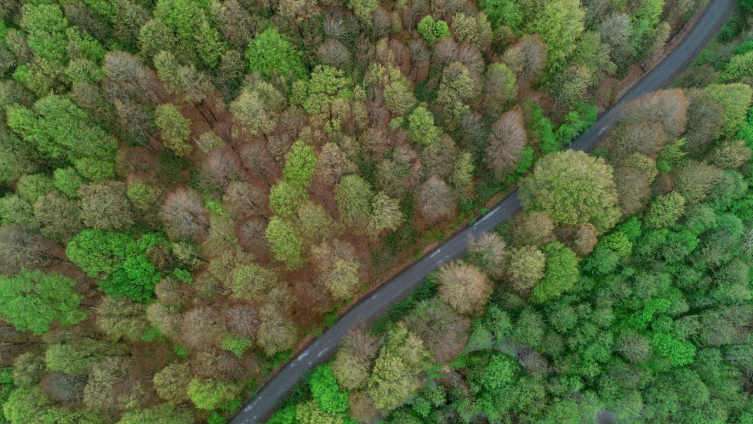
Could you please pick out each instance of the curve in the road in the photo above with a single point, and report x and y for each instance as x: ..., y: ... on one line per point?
x: 265, y: 402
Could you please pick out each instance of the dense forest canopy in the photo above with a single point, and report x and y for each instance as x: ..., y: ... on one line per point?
x: 191, y: 188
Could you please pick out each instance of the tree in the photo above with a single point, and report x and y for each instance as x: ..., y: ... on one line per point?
x: 78, y: 357
x: 633, y: 188
x: 251, y: 282
x: 162, y: 414
x: 209, y: 394
x: 57, y: 128
x: 502, y: 13
x: 500, y: 89
x: 463, y: 287
x: 58, y: 216
x: 350, y: 371
x: 735, y: 100
x: 354, y: 196
x: 559, y: 24
x: 269, y: 53
x: 436, y: 200
x: 572, y: 188
x: 363, y: 9
x: 120, y: 317
x: 276, y: 333
x: 386, y: 214
x: 174, y: 128
x: 739, y: 69
x: 184, y: 216
x: 665, y: 107
x: 665, y: 210
x: 285, y: 242
x: 254, y: 111
x: 443, y: 331
x: 526, y: 58
x: 33, y: 300
x: 731, y: 154
x: 285, y: 197
x: 432, y: 30
x: 395, y: 374
x: 105, y: 206
x: 696, y: 180
x: 300, y: 163
x: 507, y: 141
x: 561, y: 273
x: 172, y: 383
x: 534, y: 228
x: 421, y: 128
x: 525, y: 268
x: 45, y: 25
x: 326, y: 393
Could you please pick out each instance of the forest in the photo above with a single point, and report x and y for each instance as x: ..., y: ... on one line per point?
x: 192, y: 189
x: 624, y: 297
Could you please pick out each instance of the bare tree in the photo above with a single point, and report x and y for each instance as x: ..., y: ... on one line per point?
x: 507, y: 141
x: 184, y: 216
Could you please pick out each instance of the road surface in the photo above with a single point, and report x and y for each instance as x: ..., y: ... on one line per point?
x: 369, y: 308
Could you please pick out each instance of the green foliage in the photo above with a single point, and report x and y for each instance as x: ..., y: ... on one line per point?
x: 559, y: 25
x: 327, y: 394
x: 285, y: 243
x: 739, y: 68
x: 433, y: 30
x: 68, y: 181
x: 57, y: 128
x: 270, y: 53
x: 735, y: 100
x: 502, y: 13
x: 572, y: 187
x: 421, y: 128
x: 665, y: 210
x: 354, y: 196
x: 175, y: 129
x: 236, y: 344
x: 209, y: 394
x: 300, y: 163
x: 45, y: 24
x: 33, y: 300
x: 542, y: 126
x: 560, y: 276
x: 677, y: 351
x: 119, y: 261
x: 285, y: 197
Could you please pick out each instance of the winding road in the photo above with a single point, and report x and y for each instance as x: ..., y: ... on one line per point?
x: 369, y: 308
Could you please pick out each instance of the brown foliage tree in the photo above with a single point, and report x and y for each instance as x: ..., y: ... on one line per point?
x: 201, y: 327
x: 488, y: 254
x: 666, y: 107
x: 443, y: 331
x: 507, y: 141
x: 534, y: 228
x: 184, y: 216
x: 463, y: 287
x: 242, y: 319
x: 106, y: 206
x: 437, y: 201
x: 526, y: 58
x: 633, y: 190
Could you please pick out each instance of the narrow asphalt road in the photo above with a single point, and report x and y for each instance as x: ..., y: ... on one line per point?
x: 369, y: 308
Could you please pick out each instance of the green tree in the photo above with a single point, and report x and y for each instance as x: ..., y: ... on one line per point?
x: 300, y: 163
x: 270, y: 53
x: 502, y: 13
x: 735, y: 100
x: 78, y: 357
x: 68, y: 181
x: 739, y: 69
x: 285, y: 197
x: 33, y: 300
x: 209, y: 394
x: 561, y: 273
x: 327, y: 394
x: 285, y: 242
x: 386, y: 214
x: 525, y: 268
x: 57, y: 128
x: 432, y: 30
x: 162, y: 414
x: 45, y: 25
x: 172, y: 383
x: 174, y: 128
x: 572, y: 187
x: 421, y: 128
x: 559, y: 25
x: 354, y: 196
x: 363, y: 8
x: 251, y: 282
x: 665, y: 210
